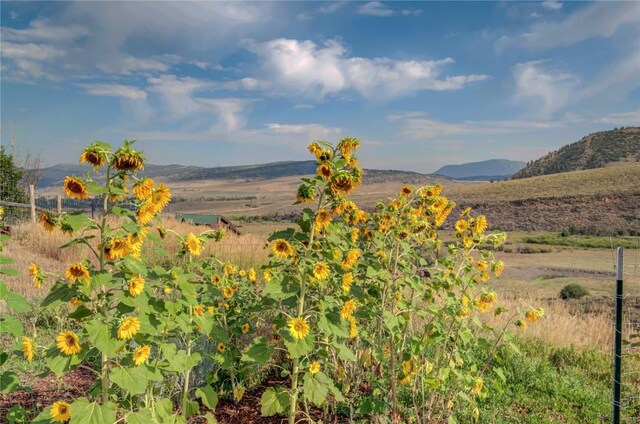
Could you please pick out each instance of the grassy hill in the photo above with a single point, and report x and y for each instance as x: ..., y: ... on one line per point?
x: 596, y: 150
x: 493, y: 169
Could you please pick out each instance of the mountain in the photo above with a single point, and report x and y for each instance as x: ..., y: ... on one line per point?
x: 494, y: 169
x: 596, y: 150
x: 54, y: 175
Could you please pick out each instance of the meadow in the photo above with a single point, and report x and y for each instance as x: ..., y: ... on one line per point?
x: 553, y: 366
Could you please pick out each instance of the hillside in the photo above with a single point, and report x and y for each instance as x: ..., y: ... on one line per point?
x: 54, y: 175
x: 493, y: 169
x: 596, y: 150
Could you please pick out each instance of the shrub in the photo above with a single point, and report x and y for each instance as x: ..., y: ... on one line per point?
x: 573, y: 291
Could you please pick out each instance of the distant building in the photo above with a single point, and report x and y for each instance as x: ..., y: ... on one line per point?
x: 213, y: 221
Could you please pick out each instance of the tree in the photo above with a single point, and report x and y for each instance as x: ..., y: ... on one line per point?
x: 11, y: 177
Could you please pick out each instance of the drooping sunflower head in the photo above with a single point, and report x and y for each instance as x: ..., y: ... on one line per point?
x: 198, y: 310
x: 136, y: 286
x: 161, y: 196
x: 324, y: 155
x: 60, y: 411
x: 321, y: 271
x: 282, y: 249
x: 141, y: 354
x: 28, y: 349
x: 76, y: 272
x: 128, y: 159
x: 521, y: 324
x: 324, y: 171
x: 348, y: 309
x: 94, y: 155
x: 533, y: 315
x: 47, y: 220
x: 298, y: 328
x: 347, y: 280
x: 117, y: 248
x: 342, y: 184
x: 68, y: 343
x: 193, y: 245
x: 251, y: 275
x: 350, y: 259
x: 37, y: 275
x: 143, y: 189
x: 128, y: 328
x: 347, y: 146
x: 75, y: 188
x: 323, y: 218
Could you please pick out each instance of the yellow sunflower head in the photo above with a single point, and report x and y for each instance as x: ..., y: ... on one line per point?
x: 60, y: 411
x: 75, y: 188
x: 143, y: 189
x: 245, y: 328
x: 305, y: 193
x: 298, y: 328
x: 68, y: 343
x: 193, y: 245
x: 282, y: 249
x: 321, y: 271
x: 146, y: 212
x: 161, y: 196
x: 406, y: 190
x: 128, y: 328
x: 136, y: 286
x: 221, y: 347
x: 348, y: 309
x: 141, y: 354
x: 95, y: 155
x: 314, y: 367
x: 323, y: 218
x: 324, y: 171
x: 128, y: 159
x: 47, y: 220
x: 117, y: 248
x: 28, y: 349
x: 77, y: 272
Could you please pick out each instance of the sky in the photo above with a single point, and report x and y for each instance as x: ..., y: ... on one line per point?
x: 422, y: 84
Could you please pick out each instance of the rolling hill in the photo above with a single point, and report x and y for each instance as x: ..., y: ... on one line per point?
x: 596, y: 150
x: 493, y: 169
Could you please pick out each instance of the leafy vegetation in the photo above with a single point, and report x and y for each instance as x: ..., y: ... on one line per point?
x: 593, y: 151
x: 573, y: 291
x: 595, y: 242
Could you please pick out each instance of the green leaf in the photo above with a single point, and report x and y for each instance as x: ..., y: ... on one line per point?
x: 209, y: 396
x: 135, y: 266
x: 9, y: 381
x: 390, y: 321
x: 83, y: 412
x: 345, y: 353
x: 100, y: 336
x: 76, y: 220
x: 17, y: 302
x: 298, y: 348
x: 500, y: 374
x: 143, y: 416
x: 61, y: 364
x: 331, y: 324
x: 258, y: 351
x: 5, y: 261
x: 44, y: 417
x: 273, y: 402
x: 179, y: 361
x: 132, y: 379
x: 314, y: 390
x: 60, y: 292
x: 11, y: 325
x: 9, y: 271
x: 3, y: 358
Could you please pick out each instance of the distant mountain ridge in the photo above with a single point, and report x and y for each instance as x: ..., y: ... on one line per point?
x: 596, y: 150
x: 493, y: 169
x: 54, y: 175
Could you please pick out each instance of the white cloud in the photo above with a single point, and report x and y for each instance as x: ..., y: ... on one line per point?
x: 376, y: 8
x: 600, y: 19
x: 330, y: 8
x: 114, y: 90
x: 552, y: 4
x: 548, y: 88
x: 41, y: 30
x: 30, y: 51
x: 617, y: 79
x: 230, y: 112
x: 631, y: 118
x: 311, y: 131
x: 304, y: 68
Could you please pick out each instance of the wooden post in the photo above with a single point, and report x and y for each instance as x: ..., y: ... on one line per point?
x: 32, y: 199
x: 59, y: 204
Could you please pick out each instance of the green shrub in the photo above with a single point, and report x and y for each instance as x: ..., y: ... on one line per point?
x: 573, y: 291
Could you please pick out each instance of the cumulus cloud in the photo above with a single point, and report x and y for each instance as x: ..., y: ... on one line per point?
x: 304, y: 68
x: 114, y: 90
x: 631, y: 118
x: 552, y: 4
x: 600, y: 19
x: 376, y: 8
x: 548, y: 88
x: 311, y: 131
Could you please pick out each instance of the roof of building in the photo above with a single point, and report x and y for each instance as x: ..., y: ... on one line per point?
x: 199, y: 219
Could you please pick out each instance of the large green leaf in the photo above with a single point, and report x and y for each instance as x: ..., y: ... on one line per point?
x: 77, y: 220
x: 331, y: 324
x: 273, y: 402
x: 315, y: 390
x: 60, y: 292
x: 100, y: 336
x: 209, y: 396
x: 16, y: 302
x: 135, y: 266
x: 298, y: 348
x: 84, y: 412
x: 11, y: 325
x: 179, y: 361
x: 132, y: 379
x: 61, y: 364
x: 9, y: 381
x: 143, y: 416
x: 258, y: 351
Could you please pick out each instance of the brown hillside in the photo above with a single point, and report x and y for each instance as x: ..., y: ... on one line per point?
x: 596, y: 150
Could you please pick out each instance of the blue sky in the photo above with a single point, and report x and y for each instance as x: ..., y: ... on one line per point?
x: 422, y: 84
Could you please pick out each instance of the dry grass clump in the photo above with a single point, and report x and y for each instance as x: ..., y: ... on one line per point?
x: 31, y: 243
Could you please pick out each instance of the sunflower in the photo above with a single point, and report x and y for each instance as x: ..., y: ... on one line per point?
x: 193, y: 245
x: 68, y: 343
x: 161, y: 196
x: 314, y: 148
x: 481, y: 266
x: 75, y: 188
x: 305, y: 194
x: 348, y: 309
x: 251, y: 275
x: 117, y: 248
x: 146, y: 212
x: 198, y: 310
x: 480, y: 224
x: 347, y: 146
x: 353, y: 328
x: 76, y: 272
x: 227, y: 292
x: 211, y: 309
x: 324, y: 171
x: 497, y: 268
x: 324, y: 155
x: 533, y: 315
x: 298, y: 328
x: 322, y: 219
x: 141, y: 354
x: 245, y: 328
x: 342, y: 184
x: 47, y: 221
x: 347, y: 280
x: 406, y: 190
x: 228, y: 269
x: 266, y: 274
x: 478, y: 384
x: 60, y: 411
x: 314, y: 368
x: 220, y: 347
x: 521, y: 324
x: 37, y: 275
x: 27, y: 348
x: 461, y: 226
x: 136, y: 286
x: 127, y: 159
x: 282, y: 249
x: 321, y: 271
x: 215, y: 279
x: 350, y: 259
x: 94, y: 156
x: 128, y: 328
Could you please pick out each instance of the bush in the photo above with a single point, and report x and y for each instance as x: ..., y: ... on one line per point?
x: 573, y: 291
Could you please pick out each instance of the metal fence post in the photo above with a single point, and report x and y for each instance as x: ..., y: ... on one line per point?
x: 617, y: 364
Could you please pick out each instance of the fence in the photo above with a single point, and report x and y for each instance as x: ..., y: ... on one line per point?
x: 626, y: 349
